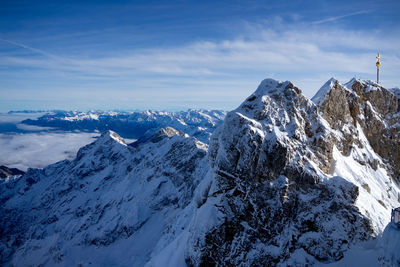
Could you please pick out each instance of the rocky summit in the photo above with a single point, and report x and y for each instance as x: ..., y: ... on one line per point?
x: 285, y: 181
x: 372, y: 107
x: 296, y: 182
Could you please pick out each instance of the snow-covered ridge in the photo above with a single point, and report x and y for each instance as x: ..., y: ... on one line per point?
x: 82, y: 116
x: 112, y: 205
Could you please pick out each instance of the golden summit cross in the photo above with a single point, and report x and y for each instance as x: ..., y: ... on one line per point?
x: 378, y: 64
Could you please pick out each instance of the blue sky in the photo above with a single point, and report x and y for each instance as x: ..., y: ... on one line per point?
x: 175, y: 55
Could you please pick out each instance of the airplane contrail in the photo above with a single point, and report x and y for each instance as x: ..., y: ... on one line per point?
x: 29, y: 48
x: 340, y: 17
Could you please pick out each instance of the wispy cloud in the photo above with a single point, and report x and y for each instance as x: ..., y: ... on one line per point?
x: 291, y: 52
x: 292, y: 49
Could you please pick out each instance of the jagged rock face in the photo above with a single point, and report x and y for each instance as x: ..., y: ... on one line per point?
x: 112, y: 200
x: 271, y: 195
x: 340, y: 113
x: 274, y: 128
x: 336, y: 107
x: 374, y: 108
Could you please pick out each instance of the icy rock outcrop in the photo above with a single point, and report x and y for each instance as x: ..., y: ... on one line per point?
x: 374, y: 108
x: 272, y: 194
x: 109, y: 206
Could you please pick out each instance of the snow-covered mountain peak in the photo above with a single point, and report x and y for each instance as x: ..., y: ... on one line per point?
x: 302, y: 185
x: 275, y: 102
x: 109, y: 135
x: 274, y: 89
x: 165, y: 133
x: 270, y: 84
x: 279, y: 113
x: 108, y: 144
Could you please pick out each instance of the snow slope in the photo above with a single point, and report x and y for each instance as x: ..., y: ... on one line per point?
x: 383, y: 251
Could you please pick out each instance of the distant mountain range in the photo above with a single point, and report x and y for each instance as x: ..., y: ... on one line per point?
x: 196, y: 123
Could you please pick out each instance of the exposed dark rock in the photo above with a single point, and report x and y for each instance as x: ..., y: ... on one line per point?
x: 375, y: 109
x: 272, y: 200
x: 6, y: 172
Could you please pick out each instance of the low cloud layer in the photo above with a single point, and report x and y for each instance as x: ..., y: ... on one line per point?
x: 38, y: 150
x: 16, y: 117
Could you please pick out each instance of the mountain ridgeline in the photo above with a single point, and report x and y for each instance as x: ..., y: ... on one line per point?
x: 134, y: 125
x: 284, y: 180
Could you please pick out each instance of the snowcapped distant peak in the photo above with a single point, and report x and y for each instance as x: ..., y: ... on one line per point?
x: 134, y: 125
x: 169, y: 131
x: 111, y: 135
x: 107, y: 144
x: 162, y: 134
x: 81, y: 116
